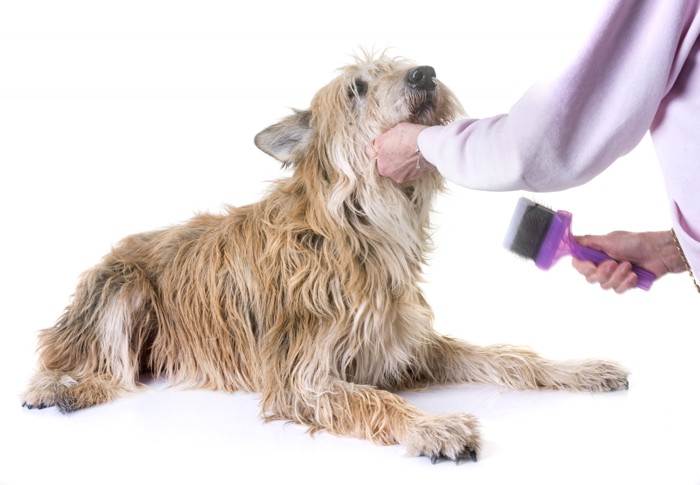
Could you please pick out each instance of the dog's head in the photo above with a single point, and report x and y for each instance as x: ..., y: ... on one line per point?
x: 366, y: 99
x: 327, y: 141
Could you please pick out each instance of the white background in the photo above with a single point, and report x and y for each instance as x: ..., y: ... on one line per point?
x: 119, y: 117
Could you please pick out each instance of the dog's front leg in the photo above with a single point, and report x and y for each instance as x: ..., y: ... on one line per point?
x: 382, y: 417
x: 455, y: 361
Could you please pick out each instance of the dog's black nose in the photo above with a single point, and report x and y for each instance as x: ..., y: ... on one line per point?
x: 422, y: 77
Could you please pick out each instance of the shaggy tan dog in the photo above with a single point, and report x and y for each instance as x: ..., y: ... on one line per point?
x: 309, y: 297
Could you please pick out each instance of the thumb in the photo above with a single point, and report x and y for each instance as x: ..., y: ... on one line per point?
x: 594, y: 242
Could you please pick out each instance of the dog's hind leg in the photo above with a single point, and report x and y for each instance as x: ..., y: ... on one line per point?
x: 362, y: 411
x: 455, y: 361
x: 92, y: 353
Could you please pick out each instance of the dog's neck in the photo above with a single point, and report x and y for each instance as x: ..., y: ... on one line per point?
x: 371, y: 213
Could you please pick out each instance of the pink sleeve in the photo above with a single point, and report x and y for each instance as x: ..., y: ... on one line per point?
x: 565, y: 131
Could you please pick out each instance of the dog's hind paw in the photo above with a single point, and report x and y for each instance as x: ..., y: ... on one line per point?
x: 453, y: 437
x: 468, y: 454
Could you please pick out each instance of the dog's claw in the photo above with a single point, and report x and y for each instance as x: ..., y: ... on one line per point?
x: 41, y: 405
x: 468, y: 454
x: 464, y: 456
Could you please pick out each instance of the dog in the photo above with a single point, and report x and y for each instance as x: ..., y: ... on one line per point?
x: 309, y: 297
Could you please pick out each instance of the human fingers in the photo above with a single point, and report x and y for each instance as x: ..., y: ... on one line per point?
x: 371, y: 149
x: 610, y: 275
x: 384, y: 168
x: 629, y: 283
x: 586, y: 268
x: 621, y: 279
x: 603, y: 273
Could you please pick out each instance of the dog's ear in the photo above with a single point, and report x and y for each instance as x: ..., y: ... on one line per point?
x: 284, y: 139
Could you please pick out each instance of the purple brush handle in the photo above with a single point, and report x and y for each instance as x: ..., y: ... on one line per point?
x: 559, y: 242
x: 644, y: 278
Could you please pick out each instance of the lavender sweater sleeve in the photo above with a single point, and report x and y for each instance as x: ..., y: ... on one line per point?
x: 565, y: 131
x: 639, y: 72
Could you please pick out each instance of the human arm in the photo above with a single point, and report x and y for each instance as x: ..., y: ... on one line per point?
x: 565, y: 130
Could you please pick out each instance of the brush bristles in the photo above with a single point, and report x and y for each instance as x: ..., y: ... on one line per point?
x: 528, y: 228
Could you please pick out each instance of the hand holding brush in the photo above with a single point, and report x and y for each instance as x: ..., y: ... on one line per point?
x: 615, y: 261
x: 655, y: 251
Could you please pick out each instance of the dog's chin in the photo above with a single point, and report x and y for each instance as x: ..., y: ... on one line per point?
x: 429, y: 108
x: 424, y: 113
x: 427, y: 114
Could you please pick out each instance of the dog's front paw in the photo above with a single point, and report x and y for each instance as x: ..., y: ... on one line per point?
x: 451, y: 436
x: 38, y: 400
x: 601, y: 375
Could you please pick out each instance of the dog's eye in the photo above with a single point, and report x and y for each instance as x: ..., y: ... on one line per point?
x: 358, y: 88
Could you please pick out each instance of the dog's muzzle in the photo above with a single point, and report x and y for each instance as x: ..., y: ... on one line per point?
x: 422, y: 77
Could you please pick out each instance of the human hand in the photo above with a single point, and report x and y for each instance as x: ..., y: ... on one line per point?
x: 396, y: 153
x: 654, y: 251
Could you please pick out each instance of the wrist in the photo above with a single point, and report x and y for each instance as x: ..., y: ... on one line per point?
x: 684, y: 260
x: 670, y: 252
x: 422, y: 141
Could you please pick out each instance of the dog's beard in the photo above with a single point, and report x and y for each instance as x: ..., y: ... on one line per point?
x: 421, y: 107
x: 428, y: 108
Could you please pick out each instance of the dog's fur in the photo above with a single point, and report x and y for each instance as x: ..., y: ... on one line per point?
x: 309, y: 297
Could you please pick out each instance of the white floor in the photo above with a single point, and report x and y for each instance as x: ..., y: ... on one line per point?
x: 119, y: 120
x: 647, y: 435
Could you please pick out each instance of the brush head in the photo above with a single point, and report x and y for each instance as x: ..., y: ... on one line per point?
x: 528, y: 228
